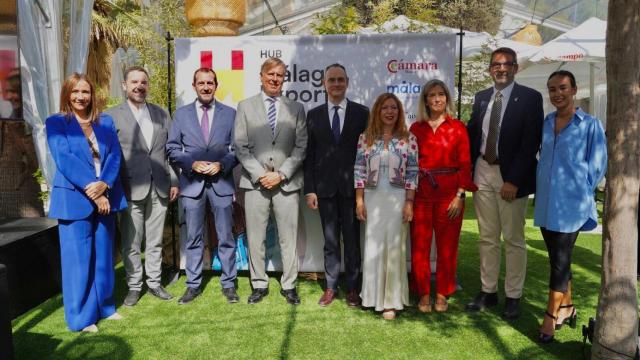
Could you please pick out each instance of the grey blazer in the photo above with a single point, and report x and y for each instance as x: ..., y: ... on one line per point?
x: 139, y: 163
x: 259, y: 151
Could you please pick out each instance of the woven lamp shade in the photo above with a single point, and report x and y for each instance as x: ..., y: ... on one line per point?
x: 215, y: 17
x: 528, y: 35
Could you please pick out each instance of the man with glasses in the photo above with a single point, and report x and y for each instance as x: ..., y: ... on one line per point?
x: 504, y: 132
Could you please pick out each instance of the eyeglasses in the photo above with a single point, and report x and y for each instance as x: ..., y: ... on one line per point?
x: 498, y: 65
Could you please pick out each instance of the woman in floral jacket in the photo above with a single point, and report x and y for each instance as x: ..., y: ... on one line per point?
x: 386, y: 177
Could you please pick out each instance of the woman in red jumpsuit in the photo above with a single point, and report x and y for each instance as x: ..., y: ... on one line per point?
x: 445, y: 175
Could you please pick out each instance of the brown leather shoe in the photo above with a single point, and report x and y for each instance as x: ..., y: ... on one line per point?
x: 353, y: 299
x: 327, y: 298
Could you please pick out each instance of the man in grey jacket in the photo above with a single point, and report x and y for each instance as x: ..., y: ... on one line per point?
x: 148, y: 180
x: 271, y: 141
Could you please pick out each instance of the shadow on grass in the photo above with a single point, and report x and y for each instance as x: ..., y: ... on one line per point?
x: 288, y: 333
x: 85, y: 346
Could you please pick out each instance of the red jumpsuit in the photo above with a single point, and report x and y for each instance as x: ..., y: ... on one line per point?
x: 445, y: 153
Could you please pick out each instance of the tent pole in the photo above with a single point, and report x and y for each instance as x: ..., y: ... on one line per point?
x: 461, y: 34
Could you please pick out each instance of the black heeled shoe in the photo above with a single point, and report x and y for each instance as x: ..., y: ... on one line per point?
x: 572, y: 319
x: 546, y: 338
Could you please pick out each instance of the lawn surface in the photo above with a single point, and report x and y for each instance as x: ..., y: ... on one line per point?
x: 209, y: 328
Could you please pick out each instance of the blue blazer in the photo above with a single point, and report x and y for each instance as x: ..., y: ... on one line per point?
x: 186, y: 145
x: 75, y: 168
x: 519, y: 139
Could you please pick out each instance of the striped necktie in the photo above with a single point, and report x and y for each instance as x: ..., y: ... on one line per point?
x: 271, y: 114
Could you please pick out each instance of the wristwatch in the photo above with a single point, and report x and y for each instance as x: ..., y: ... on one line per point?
x: 461, y: 194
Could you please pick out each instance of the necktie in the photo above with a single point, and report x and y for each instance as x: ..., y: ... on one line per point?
x: 335, y: 123
x: 271, y: 114
x: 204, y: 124
x: 490, y: 150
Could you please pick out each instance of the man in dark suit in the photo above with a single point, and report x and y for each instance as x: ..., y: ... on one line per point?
x: 149, y: 183
x: 200, y: 143
x: 504, y: 132
x: 271, y: 141
x: 333, y: 129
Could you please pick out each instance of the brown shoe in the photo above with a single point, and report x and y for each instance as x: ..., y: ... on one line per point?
x: 327, y: 298
x: 353, y: 299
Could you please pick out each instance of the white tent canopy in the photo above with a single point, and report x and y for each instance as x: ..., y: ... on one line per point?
x: 581, y: 51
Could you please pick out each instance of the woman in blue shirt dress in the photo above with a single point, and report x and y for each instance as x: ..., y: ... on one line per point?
x: 573, y: 159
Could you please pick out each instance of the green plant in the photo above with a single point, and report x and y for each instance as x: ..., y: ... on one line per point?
x: 40, y: 179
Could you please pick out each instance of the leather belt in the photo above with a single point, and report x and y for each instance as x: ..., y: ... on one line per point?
x: 430, y: 174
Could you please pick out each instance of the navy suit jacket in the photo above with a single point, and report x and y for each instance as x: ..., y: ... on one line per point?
x: 519, y: 139
x: 186, y: 145
x: 328, y: 167
x: 75, y: 167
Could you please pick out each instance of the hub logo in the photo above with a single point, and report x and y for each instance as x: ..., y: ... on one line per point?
x: 231, y: 80
x: 395, y: 65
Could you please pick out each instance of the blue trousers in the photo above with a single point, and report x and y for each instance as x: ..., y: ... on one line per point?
x: 86, y: 254
x: 222, y: 209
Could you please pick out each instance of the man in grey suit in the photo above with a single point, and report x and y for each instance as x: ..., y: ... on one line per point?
x: 201, y: 144
x: 149, y: 183
x: 270, y: 141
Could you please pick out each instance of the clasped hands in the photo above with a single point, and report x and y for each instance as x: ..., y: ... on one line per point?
x: 206, y: 167
x: 270, y: 179
x: 95, y: 191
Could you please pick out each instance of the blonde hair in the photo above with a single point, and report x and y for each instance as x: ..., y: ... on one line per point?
x: 423, y: 108
x: 65, y: 96
x: 271, y: 63
x: 374, y: 128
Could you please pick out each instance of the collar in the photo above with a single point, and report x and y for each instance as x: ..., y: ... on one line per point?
x: 578, y: 116
x: 506, y: 92
x: 135, y: 109
x: 342, y: 104
x: 265, y: 97
x: 212, y: 104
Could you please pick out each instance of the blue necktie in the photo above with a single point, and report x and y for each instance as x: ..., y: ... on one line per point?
x: 271, y: 114
x: 335, y: 124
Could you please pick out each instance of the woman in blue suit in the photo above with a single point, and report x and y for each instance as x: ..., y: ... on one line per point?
x: 86, y: 193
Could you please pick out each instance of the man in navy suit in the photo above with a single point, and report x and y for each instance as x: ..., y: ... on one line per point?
x: 504, y: 132
x: 333, y: 129
x: 200, y: 143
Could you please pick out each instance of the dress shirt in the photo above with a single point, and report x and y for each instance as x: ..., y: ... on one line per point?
x: 142, y: 116
x: 210, y: 113
x: 486, y: 121
x: 267, y: 104
x: 571, y: 165
x: 446, y: 147
x: 341, y: 112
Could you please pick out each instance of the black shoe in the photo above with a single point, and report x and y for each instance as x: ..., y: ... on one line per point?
x: 189, y: 295
x: 291, y: 295
x: 511, y: 308
x: 542, y: 337
x: 257, y: 295
x: 482, y: 301
x: 231, y: 295
x: 160, y: 293
x: 132, y: 298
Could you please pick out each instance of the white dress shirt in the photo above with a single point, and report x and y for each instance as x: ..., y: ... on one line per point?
x: 210, y: 113
x: 341, y: 112
x: 142, y: 116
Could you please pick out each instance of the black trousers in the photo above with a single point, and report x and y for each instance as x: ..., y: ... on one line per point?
x: 338, y: 216
x: 560, y: 247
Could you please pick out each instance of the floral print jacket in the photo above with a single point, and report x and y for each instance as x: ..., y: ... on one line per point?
x: 403, y: 163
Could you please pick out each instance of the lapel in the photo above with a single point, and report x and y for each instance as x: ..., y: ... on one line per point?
x: 511, y: 105
x: 76, y: 132
x: 216, y: 121
x: 156, y: 120
x: 324, y: 128
x: 192, y: 119
x: 348, y: 124
x: 284, y: 115
x: 484, y: 103
x: 133, y: 127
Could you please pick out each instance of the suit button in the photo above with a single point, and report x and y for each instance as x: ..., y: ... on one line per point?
x: 270, y: 159
x: 273, y: 143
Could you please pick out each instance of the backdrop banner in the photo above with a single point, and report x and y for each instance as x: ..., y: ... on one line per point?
x: 375, y: 63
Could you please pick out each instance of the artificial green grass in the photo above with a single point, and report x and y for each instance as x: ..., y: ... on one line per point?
x: 209, y: 328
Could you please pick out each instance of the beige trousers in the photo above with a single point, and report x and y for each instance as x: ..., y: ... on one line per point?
x: 499, y: 217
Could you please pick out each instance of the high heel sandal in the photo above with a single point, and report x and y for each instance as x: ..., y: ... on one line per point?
x: 425, y: 307
x: 439, y: 306
x: 572, y: 319
x: 546, y: 338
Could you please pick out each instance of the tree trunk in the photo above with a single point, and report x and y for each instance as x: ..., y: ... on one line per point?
x: 616, y: 333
